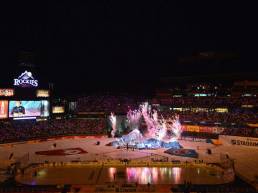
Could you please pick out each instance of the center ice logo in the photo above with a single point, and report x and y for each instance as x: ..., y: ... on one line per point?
x: 26, y: 80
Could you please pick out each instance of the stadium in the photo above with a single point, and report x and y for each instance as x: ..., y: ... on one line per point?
x: 146, y: 96
x: 201, y: 135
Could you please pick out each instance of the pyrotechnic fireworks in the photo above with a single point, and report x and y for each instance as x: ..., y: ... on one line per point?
x: 113, y: 124
x: 133, y: 118
x: 158, y: 127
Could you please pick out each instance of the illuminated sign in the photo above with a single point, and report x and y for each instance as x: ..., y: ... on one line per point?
x: 221, y: 110
x: 200, y: 109
x: 58, y: 109
x: 201, y: 95
x: 247, y: 95
x: 6, y: 92
x: 25, y: 80
x: 42, y: 93
x: 177, y: 109
x: 247, y: 106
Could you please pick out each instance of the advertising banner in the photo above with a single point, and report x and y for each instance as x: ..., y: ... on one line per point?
x: 239, y: 141
x: 203, y: 129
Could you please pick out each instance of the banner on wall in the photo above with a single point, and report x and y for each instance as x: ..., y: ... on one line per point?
x: 203, y: 129
x: 245, y: 142
x: 239, y: 141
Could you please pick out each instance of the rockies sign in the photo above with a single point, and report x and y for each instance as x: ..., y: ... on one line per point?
x: 26, y: 80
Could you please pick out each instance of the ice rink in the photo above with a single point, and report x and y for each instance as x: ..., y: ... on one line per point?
x: 85, y: 149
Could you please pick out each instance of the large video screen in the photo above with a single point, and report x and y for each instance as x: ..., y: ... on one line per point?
x: 3, y: 109
x: 24, y: 108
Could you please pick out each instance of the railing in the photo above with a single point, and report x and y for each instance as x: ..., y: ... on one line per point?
x: 124, y: 163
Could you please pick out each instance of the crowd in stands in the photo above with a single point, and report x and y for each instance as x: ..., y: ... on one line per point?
x: 236, y: 115
x: 234, y: 118
x: 246, y: 132
x: 25, y: 130
x: 238, y: 110
x: 242, y: 111
x: 234, y: 123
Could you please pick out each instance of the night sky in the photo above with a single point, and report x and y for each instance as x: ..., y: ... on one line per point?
x: 84, y: 46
